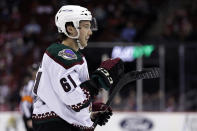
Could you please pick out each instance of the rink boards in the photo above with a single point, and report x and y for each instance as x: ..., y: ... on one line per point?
x: 122, y: 121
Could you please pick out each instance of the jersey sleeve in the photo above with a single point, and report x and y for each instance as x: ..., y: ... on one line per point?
x: 70, y: 92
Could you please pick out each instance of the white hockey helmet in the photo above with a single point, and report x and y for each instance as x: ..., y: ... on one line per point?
x: 74, y: 14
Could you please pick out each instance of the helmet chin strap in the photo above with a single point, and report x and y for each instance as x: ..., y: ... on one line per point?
x: 79, y: 44
x: 76, y: 38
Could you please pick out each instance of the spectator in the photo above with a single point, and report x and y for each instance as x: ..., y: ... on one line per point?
x: 4, y: 92
x: 32, y: 28
x: 129, y: 32
x: 171, y: 106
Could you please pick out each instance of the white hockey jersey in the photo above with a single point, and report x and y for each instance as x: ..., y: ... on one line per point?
x: 57, y: 87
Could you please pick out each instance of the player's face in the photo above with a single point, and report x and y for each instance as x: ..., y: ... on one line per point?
x: 85, y: 32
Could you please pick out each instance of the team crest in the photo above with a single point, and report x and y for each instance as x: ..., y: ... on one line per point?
x: 67, y: 54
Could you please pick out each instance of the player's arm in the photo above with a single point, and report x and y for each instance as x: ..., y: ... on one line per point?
x: 78, y: 95
x: 72, y: 92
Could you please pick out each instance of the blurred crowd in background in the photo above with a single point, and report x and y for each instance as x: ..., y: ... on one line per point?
x: 27, y: 28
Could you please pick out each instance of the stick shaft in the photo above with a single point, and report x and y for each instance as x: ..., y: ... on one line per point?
x: 131, y: 77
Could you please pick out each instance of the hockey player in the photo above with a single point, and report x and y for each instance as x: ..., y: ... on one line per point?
x: 63, y: 88
x: 26, y: 104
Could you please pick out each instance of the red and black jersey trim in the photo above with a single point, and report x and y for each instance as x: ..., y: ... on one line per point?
x: 90, y: 89
x: 83, y: 104
x: 62, y: 63
x: 52, y: 116
x: 84, y: 128
x: 44, y: 116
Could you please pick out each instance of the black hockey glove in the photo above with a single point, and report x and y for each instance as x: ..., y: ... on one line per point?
x: 101, y: 112
x: 109, y: 72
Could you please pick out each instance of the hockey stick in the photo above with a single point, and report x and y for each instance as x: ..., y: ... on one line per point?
x: 148, y: 73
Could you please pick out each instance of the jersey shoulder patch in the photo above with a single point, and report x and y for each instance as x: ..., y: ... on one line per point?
x: 67, y: 54
x: 64, y: 55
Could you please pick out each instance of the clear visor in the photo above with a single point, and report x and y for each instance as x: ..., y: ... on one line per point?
x: 94, y: 24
